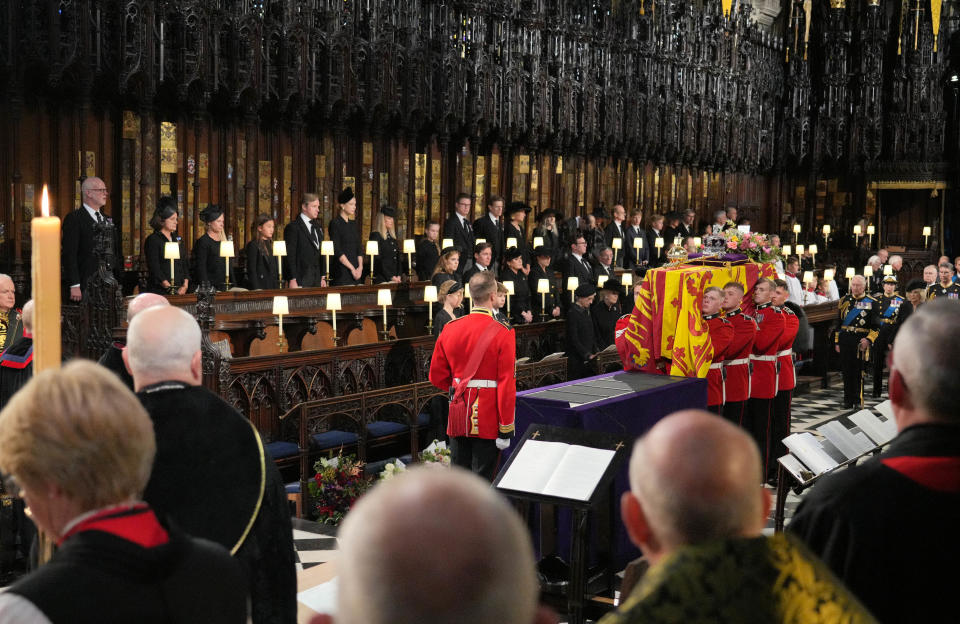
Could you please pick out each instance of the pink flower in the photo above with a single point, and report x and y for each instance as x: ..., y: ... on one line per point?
x: 752, y: 245
x: 766, y: 250
x: 731, y: 244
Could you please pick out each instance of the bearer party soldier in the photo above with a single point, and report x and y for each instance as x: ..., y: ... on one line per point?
x: 474, y: 358
x: 721, y: 335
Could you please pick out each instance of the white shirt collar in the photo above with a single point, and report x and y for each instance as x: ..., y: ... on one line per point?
x: 306, y: 220
x: 495, y: 220
x: 92, y: 212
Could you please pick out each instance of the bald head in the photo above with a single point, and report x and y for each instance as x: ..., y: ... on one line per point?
x: 163, y: 344
x: 94, y: 192
x: 144, y: 301
x: 435, y: 546
x: 26, y: 315
x: 697, y: 478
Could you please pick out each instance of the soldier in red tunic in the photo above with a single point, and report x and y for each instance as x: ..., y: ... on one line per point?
x: 786, y: 377
x: 474, y: 358
x: 763, y: 364
x: 721, y: 335
x: 736, y: 366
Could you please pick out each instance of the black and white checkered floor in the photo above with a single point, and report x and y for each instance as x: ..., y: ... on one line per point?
x: 315, y: 542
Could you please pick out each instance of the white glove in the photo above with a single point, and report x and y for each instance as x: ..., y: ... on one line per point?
x: 502, y: 443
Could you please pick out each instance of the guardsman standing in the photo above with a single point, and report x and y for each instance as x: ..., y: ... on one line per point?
x: 859, y: 325
x: 763, y: 365
x: 736, y: 366
x: 721, y: 336
x: 786, y: 377
x: 474, y: 358
x: 894, y: 310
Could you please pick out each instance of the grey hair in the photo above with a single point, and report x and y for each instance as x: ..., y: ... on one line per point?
x: 925, y: 353
x: 159, y: 346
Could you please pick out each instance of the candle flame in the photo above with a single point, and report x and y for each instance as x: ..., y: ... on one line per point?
x: 45, y: 202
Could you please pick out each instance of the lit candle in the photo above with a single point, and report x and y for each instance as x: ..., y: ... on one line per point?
x: 868, y: 271
x: 383, y: 299
x: 226, y: 252
x: 572, y: 282
x: 447, y: 242
x: 333, y: 304
x: 537, y: 241
x: 280, y: 307
x: 279, y: 251
x: 850, y: 272
x: 511, y: 242
x: 326, y: 250
x: 857, y: 230
x: 373, y: 249
x: 509, y: 286
x: 171, y: 251
x: 45, y: 234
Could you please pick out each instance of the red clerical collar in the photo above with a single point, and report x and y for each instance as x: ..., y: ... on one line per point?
x: 135, y: 523
x: 789, y: 274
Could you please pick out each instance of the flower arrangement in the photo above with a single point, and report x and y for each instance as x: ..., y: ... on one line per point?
x: 436, y: 453
x: 337, y: 485
x: 755, y: 246
x: 392, y: 469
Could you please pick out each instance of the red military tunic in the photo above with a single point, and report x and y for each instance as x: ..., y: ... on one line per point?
x: 721, y: 335
x: 763, y: 379
x: 737, y: 364
x: 492, y: 403
x: 786, y: 376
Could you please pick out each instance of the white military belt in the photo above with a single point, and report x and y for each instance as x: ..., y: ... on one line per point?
x: 482, y: 383
x: 785, y: 352
x: 716, y: 365
x: 764, y: 358
x: 737, y: 362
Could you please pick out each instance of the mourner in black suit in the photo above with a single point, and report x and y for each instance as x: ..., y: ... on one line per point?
x: 164, y: 224
x: 603, y: 265
x: 428, y: 251
x: 304, y: 266
x: 490, y: 228
x: 688, y: 225
x: 516, y: 213
x: 209, y: 267
x: 79, y: 260
x: 657, y: 257
x: 347, y: 261
x: 513, y: 272
x: 633, y: 258
x: 386, y: 265
x: 578, y: 265
x: 482, y: 261
x: 541, y: 270
x: 458, y: 229
x: 262, y: 269
x: 581, y: 343
x: 616, y: 229
x: 606, y: 311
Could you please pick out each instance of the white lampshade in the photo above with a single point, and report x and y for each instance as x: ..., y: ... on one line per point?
x: 807, y: 277
x: 429, y: 294
x: 927, y: 231
x: 799, y: 250
x: 279, y: 248
x: 697, y: 241
x: 280, y: 305
x: 509, y: 286
x: 543, y: 286
x: 409, y: 245
x: 868, y: 271
x: 658, y: 242
x: 333, y: 302
x: 538, y: 242
x: 373, y: 248
x: 813, y: 249
x: 226, y: 249
x: 479, y: 241
x: 638, y: 242
x: 616, y: 243
x: 466, y: 291
x: 850, y: 272
x: 511, y: 242
x: 383, y: 297
x: 171, y: 250
x: 601, y: 280
x: 871, y: 229
x: 447, y: 242
x: 796, y: 228
x: 828, y: 274
x: 572, y: 282
x: 626, y: 279
x: 787, y: 249
x: 826, y: 229
x: 887, y: 269
x: 857, y: 230
x: 326, y: 248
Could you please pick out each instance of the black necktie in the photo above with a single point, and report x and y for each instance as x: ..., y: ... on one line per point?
x: 99, y: 217
x: 313, y: 234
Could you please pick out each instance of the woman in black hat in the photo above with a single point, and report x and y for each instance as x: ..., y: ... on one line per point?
x: 347, y: 262
x: 164, y: 224
x: 386, y: 266
x: 547, y: 229
x: 450, y: 295
x: 513, y: 272
x: 210, y: 267
x: 516, y: 213
x: 262, y: 269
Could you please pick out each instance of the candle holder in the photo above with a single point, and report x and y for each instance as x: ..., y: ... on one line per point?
x: 510, y: 291
x: 409, y: 247
x: 279, y: 251
x: 326, y: 250
x: 826, y: 236
x: 281, y: 306
x: 430, y: 297
x: 616, y: 244
x: 373, y: 249
x: 813, y: 252
x: 226, y: 252
x: 927, y: 231
x: 572, y: 283
x: 637, y: 246
x: 857, y: 233
x: 171, y: 252
x: 658, y: 243
x: 333, y: 305
x: 543, y: 287
x: 384, y: 299
x: 871, y: 230
x: 796, y: 233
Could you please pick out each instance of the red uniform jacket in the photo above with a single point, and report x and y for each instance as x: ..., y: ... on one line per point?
x: 491, y: 408
x: 721, y: 335
x: 786, y: 376
x: 763, y: 379
x: 737, y: 363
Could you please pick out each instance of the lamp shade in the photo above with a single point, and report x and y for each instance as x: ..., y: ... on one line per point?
x: 479, y: 241
x: 601, y: 280
x: 626, y: 279
x: 572, y: 282
x: 787, y: 250
x: 279, y: 248
x: 466, y: 291
x: 857, y: 230
x: 826, y: 229
x: 616, y: 243
x: 813, y: 249
x: 538, y: 242
x: 333, y: 302
x: 658, y: 242
x: 887, y: 269
x: 226, y: 249
x: 409, y: 245
x: 509, y: 286
x: 543, y: 286
x: 383, y: 297
x: 638, y: 242
x: 871, y: 230
x: 828, y: 274
x: 799, y: 250
x: 281, y: 305
x: 171, y: 250
x: 429, y: 294
x: 511, y: 242
x: 697, y: 241
x: 850, y: 272
x: 326, y: 248
x: 373, y: 248
x: 868, y: 271
x: 796, y: 228
x: 447, y: 242
x: 807, y: 277
x: 927, y: 230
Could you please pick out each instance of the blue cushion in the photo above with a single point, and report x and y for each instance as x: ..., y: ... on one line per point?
x: 423, y: 419
x: 333, y: 439
x: 279, y: 450
x: 380, y: 428
x: 292, y: 488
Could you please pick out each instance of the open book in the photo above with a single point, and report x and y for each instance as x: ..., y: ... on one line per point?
x: 556, y: 469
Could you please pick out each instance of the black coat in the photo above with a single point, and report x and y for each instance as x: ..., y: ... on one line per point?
x: 303, y: 262
x: 631, y: 255
x: 511, y: 231
x: 604, y: 322
x: 578, y: 269
x: 387, y: 262
x: 346, y: 242
x: 598, y: 270
x: 611, y: 232
x: 440, y: 319
x: 209, y: 267
x: 16, y: 367
x: 485, y: 228
x: 112, y: 359
x: 536, y: 300
x: 426, y: 259
x: 261, y: 267
x: 520, y: 299
x: 581, y: 343
x: 78, y: 258
x: 655, y: 259
x: 462, y: 235
x: 158, y: 268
